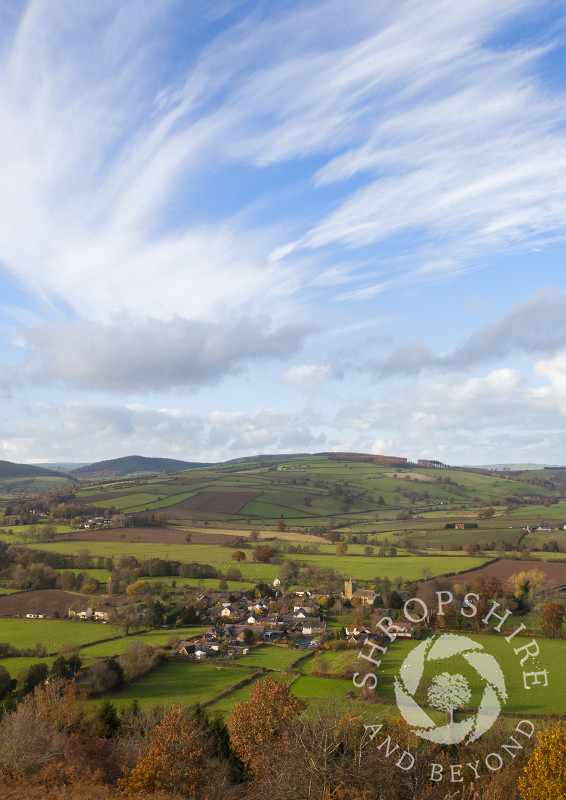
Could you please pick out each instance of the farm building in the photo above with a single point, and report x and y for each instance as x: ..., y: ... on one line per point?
x: 400, y: 629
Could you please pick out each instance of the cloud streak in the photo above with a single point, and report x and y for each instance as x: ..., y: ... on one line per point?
x: 451, y: 138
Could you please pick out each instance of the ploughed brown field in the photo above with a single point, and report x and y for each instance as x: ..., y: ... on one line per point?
x: 216, y: 502
x: 151, y: 536
x: 199, y: 535
x: 48, y: 600
x: 503, y: 569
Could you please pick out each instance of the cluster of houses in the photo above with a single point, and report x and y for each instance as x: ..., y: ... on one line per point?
x: 240, y: 620
x: 42, y: 615
x: 90, y: 614
x: 95, y: 523
x: 545, y: 526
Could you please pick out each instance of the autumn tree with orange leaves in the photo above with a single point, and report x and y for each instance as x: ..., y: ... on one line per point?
x: 175, y: 760
x: 257, y: 724
x: 545, y: 773
x: 552, y: 619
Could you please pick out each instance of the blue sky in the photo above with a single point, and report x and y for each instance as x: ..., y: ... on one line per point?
x: 241, y: 227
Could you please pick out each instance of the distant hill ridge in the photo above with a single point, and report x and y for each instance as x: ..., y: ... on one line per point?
x: 131, y: 465
x: 9, y: 469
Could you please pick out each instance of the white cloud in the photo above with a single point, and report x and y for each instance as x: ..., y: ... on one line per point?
x: 152, y: 354
x: 486, y: 419
x: 535, y: 326
x: 554, y: 370
x: 115, y: 430
x: 307, y: 377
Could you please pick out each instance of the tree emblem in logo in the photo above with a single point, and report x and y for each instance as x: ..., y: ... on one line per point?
x: 450, y: 691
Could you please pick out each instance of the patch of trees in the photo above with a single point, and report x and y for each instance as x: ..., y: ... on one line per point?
x: 195, y: 570
x: 36, y: 576
x: 76, y: 582
x: 306, y: 549
x: 264, y: 554
x: 26, y: 556
x: 158, y: 568
x: 412, y: 496
x: 147, y: 520
x: 267, y: 747
x: 467, y: 525
x: 8, y: 650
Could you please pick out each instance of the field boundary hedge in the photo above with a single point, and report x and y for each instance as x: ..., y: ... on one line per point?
x: 230, y: 689
x: 298, y: 660
x: 488, y: 563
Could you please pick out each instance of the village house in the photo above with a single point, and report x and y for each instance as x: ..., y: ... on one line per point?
x: 313, y: 625
x: 187, y: 648
x: 400, y: 629
x: 237, y: 632
x: 307, y: 608
x: 356, y: 630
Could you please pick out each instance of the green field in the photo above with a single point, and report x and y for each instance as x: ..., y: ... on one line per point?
x: 270, y: 656
x: 181, y: 682
x: 364, y: 568
x: 536, y: 700
x: 334, y: 689
x: 242, y: 694
x: 153, y: 638
x: 16, y: 665
x: 54, y: 634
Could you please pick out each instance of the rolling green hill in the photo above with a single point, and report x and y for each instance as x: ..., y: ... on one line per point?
x: 132, y: 465
x: 9, y: 469
x: 323, y: 490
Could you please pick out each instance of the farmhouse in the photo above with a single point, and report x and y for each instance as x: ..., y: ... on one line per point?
x: 400, y: 629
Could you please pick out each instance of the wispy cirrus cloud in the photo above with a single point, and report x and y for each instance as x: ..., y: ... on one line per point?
x: 449, y: 138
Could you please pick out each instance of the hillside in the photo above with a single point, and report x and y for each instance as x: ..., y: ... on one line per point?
x: 132, y: 465
x: 9, y: 469
x: 319, y: 490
